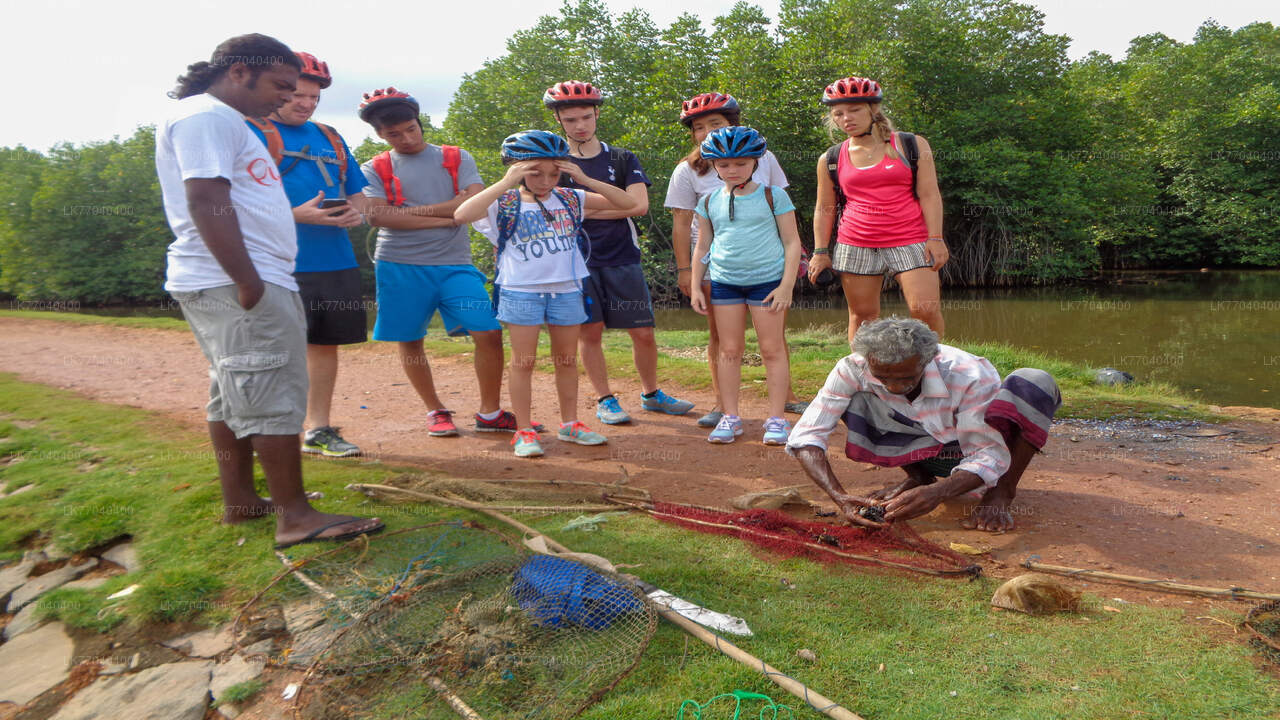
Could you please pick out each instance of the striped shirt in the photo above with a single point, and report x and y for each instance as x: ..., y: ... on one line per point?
x: 951, y: 407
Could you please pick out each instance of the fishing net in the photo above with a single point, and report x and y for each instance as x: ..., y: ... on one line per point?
x: 1263, y: 623
x: 429, y: 622
x: 896, y: 545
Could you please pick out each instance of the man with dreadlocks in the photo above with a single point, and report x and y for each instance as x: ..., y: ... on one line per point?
x: 933, y: 410
x: 231, y: 269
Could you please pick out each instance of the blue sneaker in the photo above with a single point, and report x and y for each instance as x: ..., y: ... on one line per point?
x: 664, y: 403
x: 776, y: 431
x: 610, y: 411
x: 727, y: 430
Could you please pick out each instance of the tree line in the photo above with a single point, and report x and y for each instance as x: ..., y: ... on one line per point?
x: 1051, y: 170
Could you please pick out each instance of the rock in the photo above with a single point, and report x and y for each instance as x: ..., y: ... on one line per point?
x: 228, y: 711
x: 233, y: 672
x: 24, y: 621
x: 1112, y: 376
x: 807, y: 655
x: 15, y: 576
x: 308, y: 644
x: 87, y: 583
x: 205, y: 643
x: 34, y: 662
x: 39, y: 585
x: 125, y: 556
x: 303, y: 616
x: 177, y: 691
x: 262, y: 648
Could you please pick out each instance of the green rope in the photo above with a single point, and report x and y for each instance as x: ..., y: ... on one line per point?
x: 738, y: 696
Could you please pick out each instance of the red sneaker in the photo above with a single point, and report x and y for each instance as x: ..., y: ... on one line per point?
x: 505, y: 422
x: 441, y: 424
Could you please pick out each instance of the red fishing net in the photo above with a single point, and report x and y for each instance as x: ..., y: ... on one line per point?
x: 896, y: 546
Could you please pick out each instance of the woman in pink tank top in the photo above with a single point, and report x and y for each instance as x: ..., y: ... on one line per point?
x: 892, y: 212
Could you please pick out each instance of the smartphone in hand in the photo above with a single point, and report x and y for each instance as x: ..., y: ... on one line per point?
x: 337, y: 204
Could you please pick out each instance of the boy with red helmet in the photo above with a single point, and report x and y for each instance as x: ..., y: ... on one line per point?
x: 316, y: 166
x: 619, y: 296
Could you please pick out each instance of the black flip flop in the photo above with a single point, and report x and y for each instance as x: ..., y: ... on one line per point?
x: 314, y: 536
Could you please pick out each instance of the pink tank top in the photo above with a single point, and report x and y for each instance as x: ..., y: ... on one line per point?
x: 880, y: 210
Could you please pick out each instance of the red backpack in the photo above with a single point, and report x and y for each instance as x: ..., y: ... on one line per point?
x: 381, y: 164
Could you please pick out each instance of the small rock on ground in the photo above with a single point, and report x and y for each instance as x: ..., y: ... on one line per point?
x: 177, y: 691
x: 41, y: 584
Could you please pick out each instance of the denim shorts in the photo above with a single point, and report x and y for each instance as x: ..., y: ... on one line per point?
x: 725, y: 294
x: 526, y: 308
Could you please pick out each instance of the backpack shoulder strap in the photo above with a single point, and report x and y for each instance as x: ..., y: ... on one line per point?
x: 382, y: 167
x: 339, y: 151
x: 910, y: 153
x: 452, y: 161
x: 833, y: 169
x: 706, y: 209
x: 508, y: 215
x: 768, y: 197
x: 275, y: 143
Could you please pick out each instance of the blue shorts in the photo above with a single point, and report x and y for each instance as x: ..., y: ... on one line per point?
x: 725, y: 294
x: 526, y: 308
x: 410, y: 295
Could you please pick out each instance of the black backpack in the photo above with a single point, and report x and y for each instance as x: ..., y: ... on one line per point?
x: 910, y: 153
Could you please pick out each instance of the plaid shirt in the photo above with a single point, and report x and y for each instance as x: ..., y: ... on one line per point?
x: 951, y: 407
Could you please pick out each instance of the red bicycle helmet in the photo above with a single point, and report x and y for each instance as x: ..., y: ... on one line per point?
x: 853, y: 89
x: 383, y: 98
x: 705, y: 104
x: 314, y: 69
x: 571, y: 92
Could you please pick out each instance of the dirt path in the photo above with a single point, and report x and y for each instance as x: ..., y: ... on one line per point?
x: 1200, y: 503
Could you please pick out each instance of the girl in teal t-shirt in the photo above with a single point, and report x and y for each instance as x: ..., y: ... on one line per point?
x: 749, y: 246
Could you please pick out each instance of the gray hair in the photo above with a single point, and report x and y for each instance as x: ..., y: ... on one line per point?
x: 891, y: 340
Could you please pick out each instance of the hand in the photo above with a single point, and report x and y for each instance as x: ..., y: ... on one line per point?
x: 912, y: 503
x: 935, y: 252
x: 818, y: 263
x: 698, y: 301
x: 573, y: 170
x: 310, y: 213
x: 249, y: 294
x: 684, y: 278
x: 849, y: 505
x: 516, y: 172
x: 779, y: 299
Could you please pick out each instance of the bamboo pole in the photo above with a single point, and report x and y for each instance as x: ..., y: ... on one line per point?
x: 815, y: 700
x: 1234, y: 593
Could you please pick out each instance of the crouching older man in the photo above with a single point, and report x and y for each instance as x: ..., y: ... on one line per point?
x: 933, y: 410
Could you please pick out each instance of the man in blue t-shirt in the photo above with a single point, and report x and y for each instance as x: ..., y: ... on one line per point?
x: 617, y: 294
x: 323, y: 182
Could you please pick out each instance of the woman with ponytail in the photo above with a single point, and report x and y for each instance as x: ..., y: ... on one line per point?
x: 883, y: 187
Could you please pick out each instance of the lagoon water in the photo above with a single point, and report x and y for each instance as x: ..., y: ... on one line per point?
x: 1216, y: 335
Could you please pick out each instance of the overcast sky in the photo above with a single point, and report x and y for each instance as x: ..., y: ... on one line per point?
x: 79, y: 71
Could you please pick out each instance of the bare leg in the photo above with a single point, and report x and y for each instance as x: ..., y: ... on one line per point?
x: 240, y: 499
x: 771, y: 336
x: 727, y: 364
x: 644, y: 352
x: 862, y: 293
x: 713, y: 347
x: 992, y: 512
x: 923, y: 293
x: 281, y: 459
x: 414, y: 361
x: 791, y: 393
x: 322, y: 371
x: 592, y: 339
x: 564, y: 359
x: 489, y: 362
x: 524, y: 353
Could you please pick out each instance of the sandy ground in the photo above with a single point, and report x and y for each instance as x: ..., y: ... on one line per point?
x: 1199, y: 503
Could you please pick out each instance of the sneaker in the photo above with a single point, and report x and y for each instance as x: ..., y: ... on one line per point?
x: 776, y: 430
x: 526, y: 444
x: 662, y: 402
x: 505, y: 422
x: 796, y: 408
x: 610, y: 411
x: 729, y: 428
x: 326, y: 441
x: 441, y: 424
x: 581, y: 434
x: 711, y: 419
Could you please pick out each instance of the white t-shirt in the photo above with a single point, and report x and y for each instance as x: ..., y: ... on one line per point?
x: 206, y: 138
x: 687, y: 188
x: 540, y: 256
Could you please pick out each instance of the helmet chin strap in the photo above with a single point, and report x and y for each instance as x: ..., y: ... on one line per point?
x: 736, y: 188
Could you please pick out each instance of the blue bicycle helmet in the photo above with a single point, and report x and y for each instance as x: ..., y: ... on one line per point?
x: 534, y: 145
x: 735, y: 141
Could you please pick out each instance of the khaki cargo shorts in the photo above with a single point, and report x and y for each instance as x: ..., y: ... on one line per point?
x: 257, y: 358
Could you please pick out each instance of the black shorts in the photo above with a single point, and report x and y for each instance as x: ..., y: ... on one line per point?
x: 334, y: 305
x: 619, y: 297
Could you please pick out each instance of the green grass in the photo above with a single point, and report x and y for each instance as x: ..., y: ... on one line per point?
x: 814, y: 351
x: 101, y: 470
x: 240, y: 692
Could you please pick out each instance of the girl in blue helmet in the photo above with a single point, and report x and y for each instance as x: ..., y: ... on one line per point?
x: 537, y: 229
x: 748, y: 233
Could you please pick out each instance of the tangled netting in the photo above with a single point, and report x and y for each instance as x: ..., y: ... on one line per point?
x: 1263, y: 622
x: 897, y: 545
x: 424, y: 622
